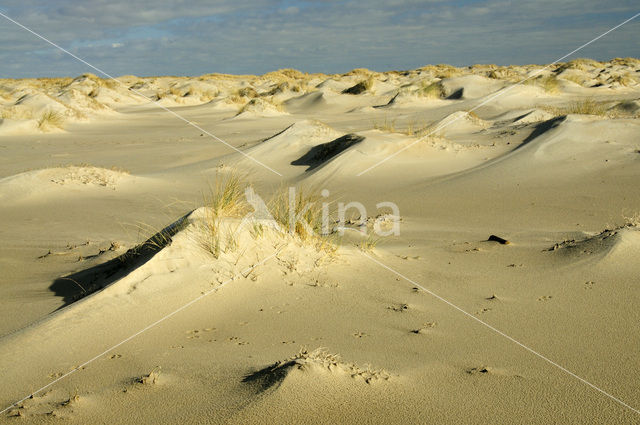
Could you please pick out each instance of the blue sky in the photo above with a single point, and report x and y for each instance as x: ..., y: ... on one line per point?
x: 181, y: 37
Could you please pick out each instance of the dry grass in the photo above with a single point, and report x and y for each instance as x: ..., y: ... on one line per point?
x: 625, y: 80
x: 586, y: 107
x: 387, y: 125
x: 579, y: 80
x: 412, y: 128
x: 224, y: 199
x: 431, y: 90
x: 368, y: 244
x: 582, y: 107
x: 259, y: 104
x: 305, y: 206
x: 50, y: 120
x: 16, y: 112
x: 548, y: 83
x: 582, y: 64
x: 633, y: 221
x: 360, y: 87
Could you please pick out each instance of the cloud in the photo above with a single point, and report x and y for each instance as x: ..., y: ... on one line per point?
x: 240, y: 36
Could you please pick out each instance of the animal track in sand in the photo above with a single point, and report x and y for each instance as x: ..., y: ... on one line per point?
x: 322, y: 283
x: 545, y: 298
x: 408, y: 257
x: 46, y: 405
x: 589, y: 284
x: 307, y: 364
x: 115, y: 356
x: 483, y: 310
x: 197, y: 333
x: 359, y: 335
x: 480, y: 370
x: 399, y: 307
x: 237, y: 340
x: 424, y: 328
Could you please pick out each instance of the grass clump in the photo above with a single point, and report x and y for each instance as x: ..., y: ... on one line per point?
x: 633, y: 221
x: 50, y: 119
x: 581, y: 107
x: 386, y: 125
x: 368, y: 244
x: 298, y: 211
x: 587, y: 107
x: 573, y: 78
x: 432, y: 90
x: 225, y: 199
x: 359, y: 88
x: 549, y: 83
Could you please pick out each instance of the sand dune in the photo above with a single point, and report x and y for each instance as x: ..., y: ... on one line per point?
x: 292, y: 326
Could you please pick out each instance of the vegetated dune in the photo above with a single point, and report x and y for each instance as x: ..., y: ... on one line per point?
x: 174, y: 292
x: 33, y: 105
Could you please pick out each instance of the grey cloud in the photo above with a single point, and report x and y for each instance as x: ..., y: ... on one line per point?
x: 194, y: 37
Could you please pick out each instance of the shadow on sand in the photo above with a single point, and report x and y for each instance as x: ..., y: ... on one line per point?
x: 80, y: 284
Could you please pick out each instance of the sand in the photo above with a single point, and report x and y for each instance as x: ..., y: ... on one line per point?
x: 269, y: 327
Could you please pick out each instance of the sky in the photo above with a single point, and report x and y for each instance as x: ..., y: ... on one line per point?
x: 191, y: 37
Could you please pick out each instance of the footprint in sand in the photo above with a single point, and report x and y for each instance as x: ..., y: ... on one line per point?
x: 359, y: 335
x: 545, y: 298
x: 589, y: 284
x: 115, y: 356
x: 197, y: 333
x: 424, y: 328
x: 480, y: 370
x: 237, y: 340
x: 399, y: 307
x: 483, y: 311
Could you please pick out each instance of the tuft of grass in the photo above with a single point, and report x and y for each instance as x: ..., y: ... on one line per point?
x: 247, y: 92
x: 225, y: 199
x: 368, y: 244
x: 633, y: 221
x: 432, y: 90
x: 586, y: 107
x: 226, y: 196
x: 387, y: 125
x: 50, y: 119
x: 625, y: 80
x: 548, y: 83
x: 257, y: 230
x: 573, y: 78
x: 305, y: 206
x: 582, y: 107
x: 359, y: 88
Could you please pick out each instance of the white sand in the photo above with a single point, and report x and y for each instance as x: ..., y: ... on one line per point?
x: 89, y: 169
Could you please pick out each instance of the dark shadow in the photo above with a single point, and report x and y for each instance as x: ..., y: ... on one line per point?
x: 389, y: 103
x: 456, y: 94
x: 542, y: 128
x: 80, y: 284
x: 269, y: 377
x: 359, y: 88
x: 320, y: 154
